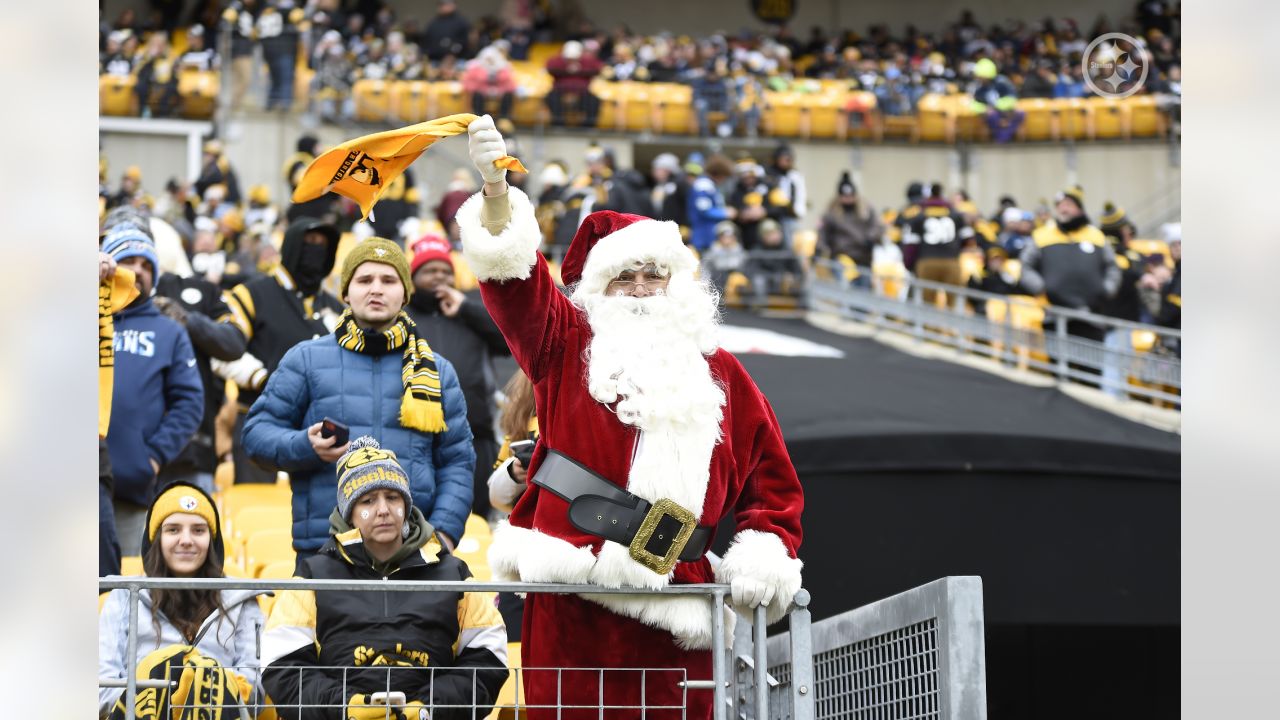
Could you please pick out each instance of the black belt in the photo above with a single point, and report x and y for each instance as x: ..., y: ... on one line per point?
x: 657, y: 534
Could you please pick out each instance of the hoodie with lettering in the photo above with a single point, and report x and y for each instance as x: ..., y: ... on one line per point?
x: 157, y: 399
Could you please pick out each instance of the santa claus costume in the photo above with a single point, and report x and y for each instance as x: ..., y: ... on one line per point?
x: 634, y: 391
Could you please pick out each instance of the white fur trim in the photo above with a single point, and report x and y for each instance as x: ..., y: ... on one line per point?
x: 687, y: 618
x: 615, y: 568
x: 655, y: 241
x: 530, y: 556
x: 510, y: 254
x: 762, y: 556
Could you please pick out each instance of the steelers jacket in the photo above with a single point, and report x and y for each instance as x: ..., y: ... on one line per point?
x: 428, y: 645
x: 1076, y: 270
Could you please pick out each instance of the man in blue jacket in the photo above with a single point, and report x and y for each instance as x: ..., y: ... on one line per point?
x: 706, y: 203
x: 157, y: 398
x: 375, y: 375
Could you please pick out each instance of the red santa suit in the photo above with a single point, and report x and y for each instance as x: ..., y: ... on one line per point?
x: 713, y: 447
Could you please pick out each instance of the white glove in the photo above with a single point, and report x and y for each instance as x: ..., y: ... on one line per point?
x: 246, y: 372
x: 487, y: 146
x: 748, y: 593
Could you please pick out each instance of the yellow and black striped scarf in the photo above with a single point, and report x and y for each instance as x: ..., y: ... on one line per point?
x: 421, y: 407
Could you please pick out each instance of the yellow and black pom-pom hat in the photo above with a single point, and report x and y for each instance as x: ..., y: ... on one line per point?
x: 368, y: 466
x: 183, y: 497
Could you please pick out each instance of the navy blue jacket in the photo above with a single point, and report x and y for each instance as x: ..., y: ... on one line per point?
x: 706, y: 209
x: 318, y: 379
x: 157, y: 400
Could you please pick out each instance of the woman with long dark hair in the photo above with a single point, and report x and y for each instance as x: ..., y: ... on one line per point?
x: 182, y: 538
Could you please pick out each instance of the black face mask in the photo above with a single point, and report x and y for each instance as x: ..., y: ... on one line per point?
x: 424, y: 301
x: 312, y: 267
x: 1073, y: 224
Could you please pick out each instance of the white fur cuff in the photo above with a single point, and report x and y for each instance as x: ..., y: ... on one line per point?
x: 530, y: 556
x: 510, y: 254
x: 761, y: 556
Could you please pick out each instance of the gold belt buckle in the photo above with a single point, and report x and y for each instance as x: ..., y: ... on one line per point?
x: 662, y: 564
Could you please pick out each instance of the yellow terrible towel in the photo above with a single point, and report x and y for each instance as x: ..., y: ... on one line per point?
x: 363, y: 168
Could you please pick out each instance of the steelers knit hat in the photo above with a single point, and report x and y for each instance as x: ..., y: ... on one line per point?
x: 381, y: 250
x: 367, y: 466
x: 181, y: 497
x: 1075, y: 193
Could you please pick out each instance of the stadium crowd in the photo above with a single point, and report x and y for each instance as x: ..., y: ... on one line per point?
x: 994, y: 62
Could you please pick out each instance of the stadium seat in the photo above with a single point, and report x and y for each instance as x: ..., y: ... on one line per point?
x: 131, y: 565
x: 1040, y: 121
x: 238, y: 497
x: 255, y: 518
x: 265, y: 547
x: 475, y: 553
x: 781, y: 117
x: 935, y: 120
x: 540, y: 53
x: 278, y: 570
x: 1076, y: 118
x: 635, y: 112
x: 1110, y: 117
x: 824, y: 111
x: 449, y: 98
x: 302, y: 77
x: 411, y: 101
x: 198, y: 93
x: 971, y: 264
x: 512, y: 693
x: 372, y: 99
x: 1146, y: 119
x: 1143, y: 340
x: 116, y: 96
x: 477, y: 527
x: 224, y: 476
x: 673, y: 108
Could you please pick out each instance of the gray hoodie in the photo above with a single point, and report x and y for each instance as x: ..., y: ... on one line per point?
x: 232, y: 640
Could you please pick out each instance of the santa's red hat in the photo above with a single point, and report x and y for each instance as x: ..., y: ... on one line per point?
x: 430, y: 247
x: 609, y: 242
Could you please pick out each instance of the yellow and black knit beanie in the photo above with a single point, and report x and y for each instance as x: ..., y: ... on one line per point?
x: 367, y: 466
x: 377, y: 249
x: 181, y: 498
x: 1076, y: 193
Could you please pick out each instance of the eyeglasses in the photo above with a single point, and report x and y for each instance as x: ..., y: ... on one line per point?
x: 651, y: 283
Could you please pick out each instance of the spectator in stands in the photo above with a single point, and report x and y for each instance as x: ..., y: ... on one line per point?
x: 571, y: 72
x: 216, y: 170
x: 996, y: 99
x: 196, y: 305
x: 1162, y: 289
x: 183, y: 540
x: 306, y: 149
x: 487, y: 78
x: 261, y: 214
x: 707, y: 207
x: 851, y: 227
x: 619, y: 189
x: 198, y: 57
x: 559, y: 208
x: 399, y: 202
x: 932, y: 240
x: 157, y: 79
x: 773, y: 268
x: 458, y: 327
x: 375, y: 65
x: 788, y: 184
x: 713, y: 93
x: 1126, y: 303
x: 117, y: 58
x: 1070, y: 81
x: 460, y: 187
x: 278, y: 33
x: 518, y: 422
x: 751, y: 199
x: 275, y: 312
x: 377, y: 375
x: 995, y: 277
x: 130, y: 188
x: 1018, y: 226
x: 725, y: 257
x: 337, y: 648
x: 670, y: 191
x: 1040, y: 80
x: 243, y: 39
x: 157, y: 399
x: 1071, y: 262
x: 448, y: 33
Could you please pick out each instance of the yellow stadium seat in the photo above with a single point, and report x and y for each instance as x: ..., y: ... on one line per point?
x: 1110, y: 117
x: 411, y: 100
x: 278, y: 570
x: 1076, y: 118
x: 673, y: 108
x: 116, y: 95
x: 255, y: 518
x: 302, y: 76
x: 805, y: 243
x: 198, y: 91
x: 936, y: 118
x: 512, y: 693
x: 224, y: 476
x: 781, y: 117
x: 372, y: 99
x: 474, y: 552
x: 131, y: 565
x: 823, y: 114
x: 265, y: 547
x: 449, y: 99
x: 635, y: 107
x: 1146, y: 119
x: 477, y: 527
x: 1040, y: 121
x: 237, y: 497
x: 540, y: 53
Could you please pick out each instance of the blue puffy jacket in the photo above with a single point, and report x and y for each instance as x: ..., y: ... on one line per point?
x: 706, y: 208
x: 317, y: 379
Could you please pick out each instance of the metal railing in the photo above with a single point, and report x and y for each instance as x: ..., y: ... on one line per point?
x: 920, y: 654
x: 718, y: 684
x: 1029, y: 335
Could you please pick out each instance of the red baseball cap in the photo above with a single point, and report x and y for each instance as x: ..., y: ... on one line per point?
x: 430, y: 247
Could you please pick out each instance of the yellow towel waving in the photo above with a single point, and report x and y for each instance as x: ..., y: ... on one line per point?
x: 363, y: 168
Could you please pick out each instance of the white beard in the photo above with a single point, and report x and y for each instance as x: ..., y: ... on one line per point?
x: 649, y: 356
